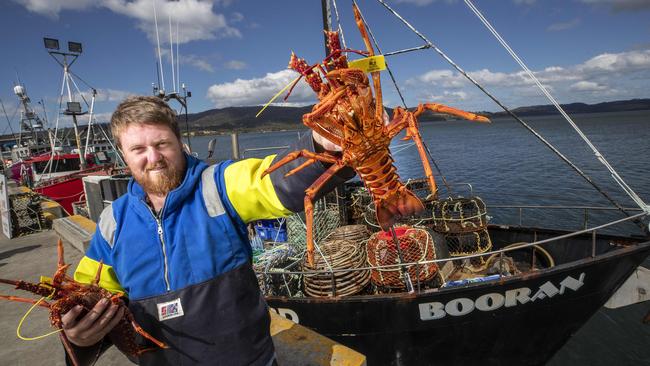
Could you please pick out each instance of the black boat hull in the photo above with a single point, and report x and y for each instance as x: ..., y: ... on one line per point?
x: 519, y: 320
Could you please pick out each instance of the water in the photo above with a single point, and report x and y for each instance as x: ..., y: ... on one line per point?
x: 507, y: 165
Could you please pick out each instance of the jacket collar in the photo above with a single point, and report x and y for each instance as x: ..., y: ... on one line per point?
x: 193, y: 170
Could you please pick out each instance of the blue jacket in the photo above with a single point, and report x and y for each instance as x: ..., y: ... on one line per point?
x: 196, y: 256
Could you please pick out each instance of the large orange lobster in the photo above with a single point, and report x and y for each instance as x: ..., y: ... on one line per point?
x: 67, y: 293
x: 347, y: 115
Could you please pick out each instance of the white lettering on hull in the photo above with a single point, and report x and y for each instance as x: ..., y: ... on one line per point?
x: 493, y: 301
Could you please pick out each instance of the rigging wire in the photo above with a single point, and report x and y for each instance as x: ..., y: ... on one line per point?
x: 8, y: 120
x: 506, y: 109
x: 617, y: 178
x: 338, y: 24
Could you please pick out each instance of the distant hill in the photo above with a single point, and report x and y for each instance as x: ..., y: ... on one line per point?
x: 276, y: 118
x: 616, y: 106
x: 273, y: 118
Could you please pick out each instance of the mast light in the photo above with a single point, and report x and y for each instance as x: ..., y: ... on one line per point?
x: 51, y: 43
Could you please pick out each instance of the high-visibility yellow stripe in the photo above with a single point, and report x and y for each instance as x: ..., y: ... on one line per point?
x: 87, y: 270
x: 253, y: 197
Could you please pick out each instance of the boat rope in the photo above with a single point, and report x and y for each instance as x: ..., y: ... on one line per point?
x: 401, y: 96
x: 155, y: 20
x: 507, y: 110
x: 617, y: 178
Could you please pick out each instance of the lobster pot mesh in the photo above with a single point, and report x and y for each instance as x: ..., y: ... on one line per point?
x: 326, y: 219
x: 26, y: 213
x: 416, y: 246
x: 336, y: 255
x: 270, y: 267
x: 360, y: 200
x: 459, y: 215
x: 350, y: 232
x: 476, y: 242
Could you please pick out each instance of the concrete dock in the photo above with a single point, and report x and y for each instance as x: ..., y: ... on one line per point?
x: 29, y: 257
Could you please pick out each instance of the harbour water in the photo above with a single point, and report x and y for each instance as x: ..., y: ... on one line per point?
x: 507, y: 165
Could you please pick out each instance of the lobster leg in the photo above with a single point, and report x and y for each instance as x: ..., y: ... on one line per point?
x: 141, y: 331
x: 60, y: 273
x: 297, y: 154
x: 441, y: 108
x: 68, y: 349
x: 24, y: 299
x: 310, y: 193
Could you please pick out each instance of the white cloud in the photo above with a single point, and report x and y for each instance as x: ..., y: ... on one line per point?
x: 603, y: 77
x: 196, y: 19
x: 52, y: 8
x: 259, y: 91
x: 621, y: 5
x: 235, y: 65
x: 556, y: 27
x: 587, y: 86
x: 199, y: 62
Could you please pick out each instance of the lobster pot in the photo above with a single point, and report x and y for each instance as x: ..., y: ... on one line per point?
x: 274, y: 267
x: 460, y: 244
x: 416, y: 246
x: 356, y: 233
x: 326, y: 219
x: 422, y: 219
x: 26, y: 213
x: 459, y: 215
x: 336, y: 255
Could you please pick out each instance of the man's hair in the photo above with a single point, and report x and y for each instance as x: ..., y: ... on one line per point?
x: 141, y: 110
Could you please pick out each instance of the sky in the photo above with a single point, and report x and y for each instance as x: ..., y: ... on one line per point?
x: 235, y: 52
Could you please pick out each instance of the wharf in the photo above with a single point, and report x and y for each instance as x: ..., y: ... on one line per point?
x: 29, y: 257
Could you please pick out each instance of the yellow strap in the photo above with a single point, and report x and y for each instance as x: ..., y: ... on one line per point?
x: 20, y: 324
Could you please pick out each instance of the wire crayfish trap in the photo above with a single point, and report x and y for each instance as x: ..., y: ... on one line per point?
x: 459, y: 215
x: 469, y: 243
x: 416, y: 245
x: 331, y: 257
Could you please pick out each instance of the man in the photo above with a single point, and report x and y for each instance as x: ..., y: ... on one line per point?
x: 176, y: 244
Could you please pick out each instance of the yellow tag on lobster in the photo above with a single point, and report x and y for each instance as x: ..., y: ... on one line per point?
x: 46, y: 280
x: 369, y: 64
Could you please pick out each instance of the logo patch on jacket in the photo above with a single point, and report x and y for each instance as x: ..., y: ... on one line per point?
x: 169, y: 310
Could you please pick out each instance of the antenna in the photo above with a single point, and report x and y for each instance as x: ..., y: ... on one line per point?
x: 171, y: 50
x: 162, y: 74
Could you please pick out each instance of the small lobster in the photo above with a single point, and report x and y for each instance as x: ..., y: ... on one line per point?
x: 67, y: 293
x: 349, y: 116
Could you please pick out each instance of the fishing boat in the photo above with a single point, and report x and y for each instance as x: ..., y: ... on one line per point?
x: 49, y: 164
x: 472, y: 291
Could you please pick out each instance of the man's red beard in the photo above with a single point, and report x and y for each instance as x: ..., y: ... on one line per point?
x: 162, y: 182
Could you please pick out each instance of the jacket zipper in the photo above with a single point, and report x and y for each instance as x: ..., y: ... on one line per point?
x: 164, y: 252
x: 162, y: 243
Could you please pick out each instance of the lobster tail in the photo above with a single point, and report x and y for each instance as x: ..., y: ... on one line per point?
x: 402, y: 204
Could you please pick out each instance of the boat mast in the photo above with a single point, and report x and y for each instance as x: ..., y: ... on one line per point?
x: 73, y: 108
x: 327, y: 22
